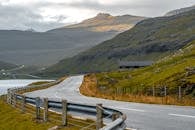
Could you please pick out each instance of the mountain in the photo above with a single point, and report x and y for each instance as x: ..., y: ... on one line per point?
x: 5, y: 66
x: 148, y: 40
x: 46, y: 48
x: 172, y: 71
x: 178, y: 11
x: 106, y: 22
x: 43, y: 49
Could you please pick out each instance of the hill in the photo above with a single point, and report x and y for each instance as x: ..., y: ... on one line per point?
x: 43, y: 49
x: 179, y: 11
x: 148, y: 40
x: 106, y: 22
x: 46, y: 48
x: 172, y: 71
x: 5, y: 66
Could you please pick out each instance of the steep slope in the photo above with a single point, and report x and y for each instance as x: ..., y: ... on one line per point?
x: 5, y: 66
x: 172, y: 71
x: 43, y: 49
x: 146, y: 41
x: 179, y: 11
x: 106, y: 22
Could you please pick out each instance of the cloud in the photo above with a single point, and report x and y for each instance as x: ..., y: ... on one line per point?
x: 43, y: 15
x: 23, y: 18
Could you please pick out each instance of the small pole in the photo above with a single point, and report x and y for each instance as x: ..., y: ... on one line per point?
x: 115, y: 93
x: 38, y: 108
x: 179, y: 92
x: 64, y: 112
x: 165, y: 88
x: 23, y: 103
x: 99, y: 116
x: 153, y: 91
x: 45, y: 114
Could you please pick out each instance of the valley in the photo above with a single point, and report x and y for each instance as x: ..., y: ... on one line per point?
x: 98, y: 66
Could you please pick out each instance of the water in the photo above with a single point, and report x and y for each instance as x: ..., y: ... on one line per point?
x: 5, y: 84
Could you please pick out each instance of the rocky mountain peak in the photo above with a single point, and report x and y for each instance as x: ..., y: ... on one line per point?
x: 103, y: 16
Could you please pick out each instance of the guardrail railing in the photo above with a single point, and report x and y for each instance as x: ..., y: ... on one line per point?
x: 101, y: 113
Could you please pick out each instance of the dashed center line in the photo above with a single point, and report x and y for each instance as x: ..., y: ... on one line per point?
x: 180, y: 115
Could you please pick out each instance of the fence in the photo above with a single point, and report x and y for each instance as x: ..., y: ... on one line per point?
x: 44, y: 109
x: 162, y: 94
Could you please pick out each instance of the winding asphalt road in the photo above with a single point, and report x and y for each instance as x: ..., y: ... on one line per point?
x: 139, y: 116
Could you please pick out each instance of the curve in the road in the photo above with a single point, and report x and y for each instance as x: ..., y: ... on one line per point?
x: 139, y: 116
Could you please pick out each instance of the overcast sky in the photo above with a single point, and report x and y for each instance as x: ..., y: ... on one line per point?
x: 42, y: 15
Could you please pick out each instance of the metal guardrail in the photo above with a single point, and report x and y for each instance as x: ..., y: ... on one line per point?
x: 117, y: 117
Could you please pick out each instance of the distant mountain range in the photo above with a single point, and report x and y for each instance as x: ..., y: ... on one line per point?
x: 43, y: 49
x: 178, y: 11
x: 148, y: 40
x: 5, y: 66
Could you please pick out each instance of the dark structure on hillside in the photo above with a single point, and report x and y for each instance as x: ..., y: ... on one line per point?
x: 134, y: 64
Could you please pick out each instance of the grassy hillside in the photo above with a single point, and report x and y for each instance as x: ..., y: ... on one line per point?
x: 148, y: 40
x: 178, y: 11
x: 11, y: 119
x: 172, y: 71
x: 47, y: 48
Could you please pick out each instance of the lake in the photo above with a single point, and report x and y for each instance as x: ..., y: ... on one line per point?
x: 5, y: 84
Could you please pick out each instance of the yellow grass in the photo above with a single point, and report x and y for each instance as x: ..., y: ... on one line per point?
x: 89, y: 88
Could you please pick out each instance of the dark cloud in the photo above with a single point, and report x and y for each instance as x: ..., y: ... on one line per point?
x: 150, y: 8
x: 15, y: 16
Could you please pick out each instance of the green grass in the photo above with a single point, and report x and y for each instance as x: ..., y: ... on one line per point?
x: 13, y: 119
x: 148, y: 40
x: 136, y: 85
x: 167, y: 72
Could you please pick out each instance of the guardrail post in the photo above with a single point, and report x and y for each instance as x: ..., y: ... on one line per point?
x: 45, y: 113
x: 8, y: 96
x: 64, y: 112
x: 114, y: 116
x: 14, y: 99
x: 99, y: 116
x: 38, y: 108
x: 23, y: 103
x: 11, y: 97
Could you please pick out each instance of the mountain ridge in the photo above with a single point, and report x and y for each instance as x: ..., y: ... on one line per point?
x: 179, y: 11
x: 47, y: 48
x: 5, y: 65
x: 148, y: 40
x: 106, y: 22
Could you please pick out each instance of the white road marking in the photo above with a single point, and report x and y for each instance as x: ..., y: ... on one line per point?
x: 130, y: 129
x: 180, y: 115
x: 130, y: 109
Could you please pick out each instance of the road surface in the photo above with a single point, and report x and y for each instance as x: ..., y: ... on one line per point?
x: 139, y: 116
